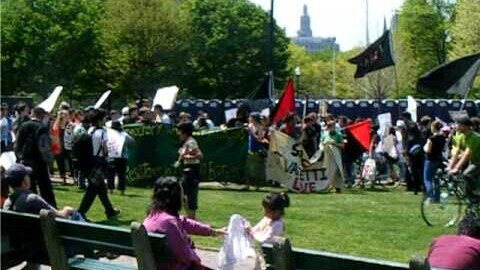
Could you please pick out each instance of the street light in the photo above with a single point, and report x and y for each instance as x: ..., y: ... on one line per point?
x: 297, y: 77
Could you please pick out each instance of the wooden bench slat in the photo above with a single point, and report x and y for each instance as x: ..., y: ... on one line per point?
x: 87, y: 264
x: 307, y: 259
x: 81, y: 242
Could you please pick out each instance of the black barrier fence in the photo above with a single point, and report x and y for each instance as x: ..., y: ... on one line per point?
x: 351, y: 108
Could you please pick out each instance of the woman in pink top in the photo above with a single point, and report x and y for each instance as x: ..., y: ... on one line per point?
x: 164, y: 218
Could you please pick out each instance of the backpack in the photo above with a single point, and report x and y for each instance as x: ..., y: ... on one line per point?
x: 36, y: 144
x: 82, y: 151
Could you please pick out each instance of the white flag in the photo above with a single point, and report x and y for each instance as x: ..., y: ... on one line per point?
x: 412, y: 107
x: 102, y: 99
x: 49, y: 103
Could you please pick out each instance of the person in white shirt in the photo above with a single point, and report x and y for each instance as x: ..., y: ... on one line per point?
x: 160, y: 116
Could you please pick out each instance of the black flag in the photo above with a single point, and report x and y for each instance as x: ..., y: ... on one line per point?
x: 455, y: 77
x: 263, y: 91
x: 375, y: 57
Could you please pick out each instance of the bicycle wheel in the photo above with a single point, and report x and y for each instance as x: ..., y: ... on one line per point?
x: 446, y: 212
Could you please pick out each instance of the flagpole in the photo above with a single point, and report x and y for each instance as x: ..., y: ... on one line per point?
x: 397, y: 88
x: 464, y: 100
x: 305, y: 109
x: 334, y: 90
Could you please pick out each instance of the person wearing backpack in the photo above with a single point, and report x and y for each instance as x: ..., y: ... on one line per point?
x: 32, y: 149
x: 95, y: 158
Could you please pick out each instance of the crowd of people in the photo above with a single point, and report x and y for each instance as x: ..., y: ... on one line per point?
x: 77, y: 142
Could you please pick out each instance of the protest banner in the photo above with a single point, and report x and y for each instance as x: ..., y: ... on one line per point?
x: 288, y: 165
x: 154, y: 152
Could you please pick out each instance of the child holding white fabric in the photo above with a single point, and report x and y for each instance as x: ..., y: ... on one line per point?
x: 239, y: 247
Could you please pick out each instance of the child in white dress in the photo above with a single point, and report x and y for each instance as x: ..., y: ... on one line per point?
x: 271, y: 225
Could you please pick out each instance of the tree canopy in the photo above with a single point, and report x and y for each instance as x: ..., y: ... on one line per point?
x: 229, y: 48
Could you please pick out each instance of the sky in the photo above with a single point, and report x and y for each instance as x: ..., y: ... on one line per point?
x: 343, y: 19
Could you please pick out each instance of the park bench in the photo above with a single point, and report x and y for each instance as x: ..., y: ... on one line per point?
x: 281, y: 256
x: 22, y: 239
x: 62, y: 237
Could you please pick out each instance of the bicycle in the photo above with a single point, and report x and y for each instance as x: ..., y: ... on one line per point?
x: 447, y: 211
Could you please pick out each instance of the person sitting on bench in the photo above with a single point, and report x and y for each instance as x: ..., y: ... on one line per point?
x: 23, y: 199
x: 164, y: 218
x: 460, y: 251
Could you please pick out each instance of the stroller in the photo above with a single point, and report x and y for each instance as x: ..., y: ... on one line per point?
x: 375, y: 171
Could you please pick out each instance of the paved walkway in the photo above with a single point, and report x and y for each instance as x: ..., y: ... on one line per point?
x: 209, y: 259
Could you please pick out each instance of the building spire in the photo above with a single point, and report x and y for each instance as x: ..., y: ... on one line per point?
x: 305, y: 30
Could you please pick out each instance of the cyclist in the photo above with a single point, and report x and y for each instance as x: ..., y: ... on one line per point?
x: 468, y: 141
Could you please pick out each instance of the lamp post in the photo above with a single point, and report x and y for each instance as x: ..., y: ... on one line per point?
x: 297, y: 77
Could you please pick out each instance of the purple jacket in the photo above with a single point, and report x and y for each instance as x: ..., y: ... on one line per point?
x: 177, y: 228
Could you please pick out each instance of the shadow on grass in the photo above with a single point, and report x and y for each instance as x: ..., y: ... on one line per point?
x: 117, y: 222
x: 244, y: 189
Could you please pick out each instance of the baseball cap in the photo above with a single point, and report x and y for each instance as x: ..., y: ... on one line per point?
x: 16, y: 173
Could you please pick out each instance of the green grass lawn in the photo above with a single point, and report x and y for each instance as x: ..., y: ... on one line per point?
x: 380, y: 224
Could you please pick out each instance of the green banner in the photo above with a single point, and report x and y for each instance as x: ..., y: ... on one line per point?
x: 155, y: 151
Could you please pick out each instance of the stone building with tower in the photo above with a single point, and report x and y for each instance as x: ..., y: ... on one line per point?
x: 306, y: 39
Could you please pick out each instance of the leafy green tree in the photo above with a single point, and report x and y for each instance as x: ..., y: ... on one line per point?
x: 465, y: 33
x: 229, y: 48
x: 421, y: 40
x: 47, y: 43
x: 317, y: 73
x: 145, y: 44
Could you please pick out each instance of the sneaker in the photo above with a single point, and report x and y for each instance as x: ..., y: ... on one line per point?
x: 113, y: 214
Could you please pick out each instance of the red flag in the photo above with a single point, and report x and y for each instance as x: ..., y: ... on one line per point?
x: 286, y: 104
x: 361, y: 132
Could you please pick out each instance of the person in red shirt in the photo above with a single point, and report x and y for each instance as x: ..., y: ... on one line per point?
x: 459, y: 252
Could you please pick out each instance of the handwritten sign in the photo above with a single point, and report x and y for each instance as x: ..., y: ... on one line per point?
x: 288, y: 164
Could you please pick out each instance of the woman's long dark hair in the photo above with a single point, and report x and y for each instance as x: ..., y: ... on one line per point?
x: 167, y: 196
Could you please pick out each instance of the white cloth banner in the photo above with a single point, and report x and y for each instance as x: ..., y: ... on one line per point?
x: 49, y: 103
x: 237, y: 245
x: 412, y: 107
x: 288, y: 164
x: 166, y: 97
x: 115, y: 143
x: 102, y: 99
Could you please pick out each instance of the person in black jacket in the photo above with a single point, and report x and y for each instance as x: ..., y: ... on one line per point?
x: 32, y: 149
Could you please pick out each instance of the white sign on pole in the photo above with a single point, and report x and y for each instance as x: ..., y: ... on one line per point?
x: 384, y: 122
x: 102, y: 99
x: 265, y: 112
x: 230, y: 114
x: 412, y: 107
x: 49, y: 103
x: 166, y: 97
